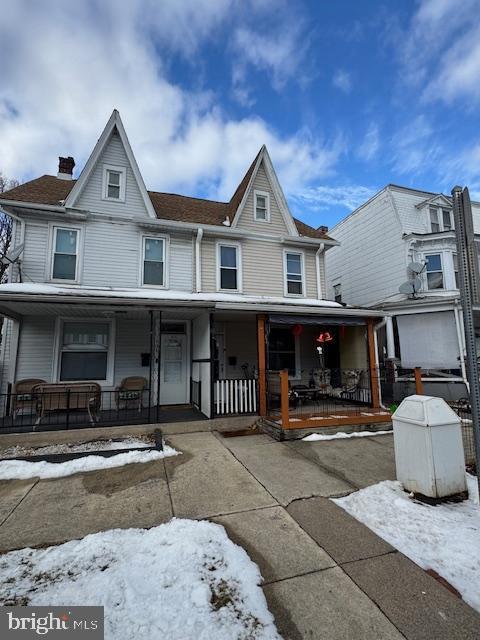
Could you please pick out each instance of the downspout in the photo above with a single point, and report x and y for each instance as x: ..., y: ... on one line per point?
x: 461, y: 346
x: 376, y: 327
x: 320, y: 250
x: 198, y: 261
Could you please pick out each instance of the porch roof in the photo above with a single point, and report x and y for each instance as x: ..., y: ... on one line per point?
x: 14, y: 294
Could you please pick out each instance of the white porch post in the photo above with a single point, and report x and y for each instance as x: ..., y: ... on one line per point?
x: 155, y: 356
x: 390, y: 338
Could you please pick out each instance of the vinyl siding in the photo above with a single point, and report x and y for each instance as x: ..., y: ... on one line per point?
x: 35, y: 350
x: 36, y: 252
x: 277, y: 225
x: 262, y: 267
x: 370, y: 262
x: 241, y: 343
x: 132, y: 339
x: 91, y: 196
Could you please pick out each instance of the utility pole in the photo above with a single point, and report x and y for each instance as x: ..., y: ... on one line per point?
x: 469, y: 282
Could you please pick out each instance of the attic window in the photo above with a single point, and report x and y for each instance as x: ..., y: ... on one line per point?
x: 262, y: 206
x: 440, y: 219
x: 114, y: 183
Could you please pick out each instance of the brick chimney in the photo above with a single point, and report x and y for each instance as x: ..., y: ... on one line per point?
x: 322, y: 229
x: 65, y: 168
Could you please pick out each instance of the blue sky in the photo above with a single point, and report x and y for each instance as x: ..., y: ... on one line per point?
x: 347, y: 95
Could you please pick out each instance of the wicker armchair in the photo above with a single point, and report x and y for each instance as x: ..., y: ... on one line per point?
x: 23, y: 396
x: 130, y: 392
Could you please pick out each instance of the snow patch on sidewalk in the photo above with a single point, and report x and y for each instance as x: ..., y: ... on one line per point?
x: 341, y: 434
x: 92, y: 445
x: 445, y: 537
x: 22, y: 469
x: 184, y: 579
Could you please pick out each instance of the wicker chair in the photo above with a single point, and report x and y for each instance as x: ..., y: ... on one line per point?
x: 23, y: 396
x: 130, y: 392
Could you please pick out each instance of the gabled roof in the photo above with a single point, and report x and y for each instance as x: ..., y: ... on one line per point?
x: 438, y: 199
x: 114, y: 124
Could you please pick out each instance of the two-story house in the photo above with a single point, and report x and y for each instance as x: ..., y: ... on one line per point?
x: 401, y: 236
x: 161, y: 299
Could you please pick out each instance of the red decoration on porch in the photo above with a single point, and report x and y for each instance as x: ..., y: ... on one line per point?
x: 325, y: 336
x: 342, y: 331
x: 297, y: 330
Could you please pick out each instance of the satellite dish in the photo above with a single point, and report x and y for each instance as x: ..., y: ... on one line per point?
x: 417, y: 283
x: 407, y: 287
x: 13, y: 255
x: 416, y: 267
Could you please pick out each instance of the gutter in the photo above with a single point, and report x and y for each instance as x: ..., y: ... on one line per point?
x: 320, y: 250
x: 461, y: 345
x: 198, y: 260
x: 378, y: 326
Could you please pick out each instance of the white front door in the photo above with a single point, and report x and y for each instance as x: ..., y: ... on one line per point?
x: 173, y: 369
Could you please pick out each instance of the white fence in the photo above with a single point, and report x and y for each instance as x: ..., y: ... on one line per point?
x: 235, y: 396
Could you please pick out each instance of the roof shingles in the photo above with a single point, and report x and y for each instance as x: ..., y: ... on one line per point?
x: 49, y: 190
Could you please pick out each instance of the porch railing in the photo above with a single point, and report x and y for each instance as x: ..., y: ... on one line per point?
x: 196, y: 393
x: 237, y: 396
x: 22, y: 412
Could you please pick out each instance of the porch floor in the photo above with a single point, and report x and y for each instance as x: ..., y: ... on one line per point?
x: 315, y: 416
x: 57, y: 421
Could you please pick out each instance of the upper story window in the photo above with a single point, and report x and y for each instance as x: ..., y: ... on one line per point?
x: 434, y: 271
x: 337, y: 292
x: 455, y: 268
x: 65, y: 254
x: 294, y: 285
x: 228, y: 267
x: 154, y: 253
x: 262, y: 206
x: 440, y: 219
x: 114, y: 183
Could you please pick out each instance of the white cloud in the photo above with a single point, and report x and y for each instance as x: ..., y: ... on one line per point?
x: 414, y: 147
x: 58, y: 90
x: 370, y: 145
x: 440, y: 50
x: 345, y: 196
x: 342, y: 80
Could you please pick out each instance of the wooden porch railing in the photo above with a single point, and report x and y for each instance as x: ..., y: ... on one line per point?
x: 235, y: 396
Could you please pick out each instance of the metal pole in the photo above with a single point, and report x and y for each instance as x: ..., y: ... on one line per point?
x: 468, y: 283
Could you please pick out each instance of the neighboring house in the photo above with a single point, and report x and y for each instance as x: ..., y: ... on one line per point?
x: 200, y: 298
x: 378, y: 242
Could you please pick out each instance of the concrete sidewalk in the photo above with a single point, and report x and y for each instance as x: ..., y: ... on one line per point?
x: 325, y: 574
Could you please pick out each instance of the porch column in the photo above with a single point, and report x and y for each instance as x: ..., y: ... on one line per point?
x: 155, y: 358
x: 372, y: 364
x: 262, y: 365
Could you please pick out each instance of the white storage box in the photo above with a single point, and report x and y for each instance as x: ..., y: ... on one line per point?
x: 428, y: 447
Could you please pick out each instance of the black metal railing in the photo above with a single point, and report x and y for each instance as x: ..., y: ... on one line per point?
x: 70, y: 409
x: 196, y: 393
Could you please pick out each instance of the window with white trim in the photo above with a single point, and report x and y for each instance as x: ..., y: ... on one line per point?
x: 337, y: 292
x: 65, y: 253
x: 262, y: 206
x: 84, y: 350
x: 114, y: 183
x: 154, y: 251
x: 228, y: 267
x: 440, y: 219
x: 294, y: 273
x: 455, y: 268
x: 434, y: 271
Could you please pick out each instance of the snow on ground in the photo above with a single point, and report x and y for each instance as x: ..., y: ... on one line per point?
x: 182, y: 580
x: 92, y: 445
x: 341, y: 434
x: 445, y: 537
x: 22, y: 469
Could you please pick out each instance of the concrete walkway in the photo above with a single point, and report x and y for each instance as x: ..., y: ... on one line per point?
x: 326, y: 576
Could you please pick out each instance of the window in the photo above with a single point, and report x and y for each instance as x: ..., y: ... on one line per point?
x: 262, y: 206
x: 114, y: 183
x: 440, y: 220
x: 447, y: 220
x: 228, y: 267
x: 434, y: 271
x: 337, y: 292
x: 65, y: 254
x: 154, y: 261
x: 294, y: 273
x: 282, y: 350
x: 455, y: 269
x: 84, y: 350
x: 434, y: 222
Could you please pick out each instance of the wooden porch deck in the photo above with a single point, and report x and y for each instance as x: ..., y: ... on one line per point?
x: 335, y: 417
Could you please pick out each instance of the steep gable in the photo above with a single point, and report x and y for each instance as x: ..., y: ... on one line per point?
x: 112, y: 151
x: 262, y: 178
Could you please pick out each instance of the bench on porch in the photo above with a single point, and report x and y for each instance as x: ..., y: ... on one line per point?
x: 64, y: 396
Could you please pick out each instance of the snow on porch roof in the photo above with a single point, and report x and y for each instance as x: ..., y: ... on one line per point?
x: 37, y: 292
